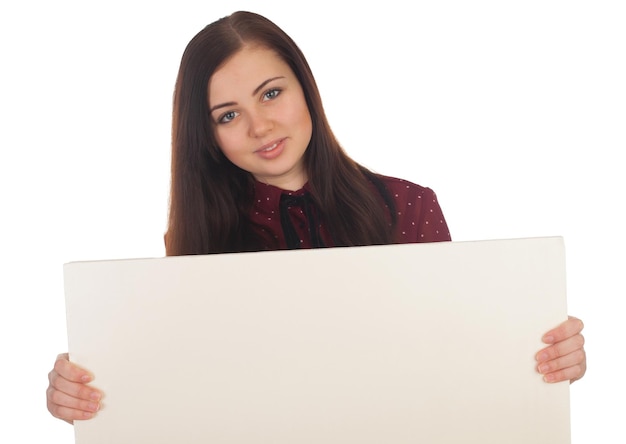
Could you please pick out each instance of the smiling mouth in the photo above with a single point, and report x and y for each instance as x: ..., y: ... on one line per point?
x: 271, y: 147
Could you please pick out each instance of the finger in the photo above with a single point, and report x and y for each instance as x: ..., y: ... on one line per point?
x: 573, y: 359
x: 68, y: 414
x: 562, y: 348
x: 58, y: 400
x: 569, y: 328
x: 70, y: 371
x: 74, y: 389
x: 571, y: 374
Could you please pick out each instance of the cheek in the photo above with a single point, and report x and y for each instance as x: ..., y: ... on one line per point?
x: 309, y: 121
x: 307, y: 126
x: 302, y: 118
x: 232, y: 147
x: 225, y: 141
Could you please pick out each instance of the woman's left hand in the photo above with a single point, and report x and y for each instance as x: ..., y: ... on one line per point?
x: 564, y: 359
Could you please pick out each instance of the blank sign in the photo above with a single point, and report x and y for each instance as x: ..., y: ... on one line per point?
x: 382, y: 344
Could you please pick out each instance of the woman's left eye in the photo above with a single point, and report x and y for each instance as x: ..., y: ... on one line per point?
x: 271, y: 94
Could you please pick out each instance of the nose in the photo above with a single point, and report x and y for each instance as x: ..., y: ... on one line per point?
x: 260, y: 123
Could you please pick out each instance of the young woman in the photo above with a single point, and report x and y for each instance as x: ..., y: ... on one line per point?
x: 255, y: 166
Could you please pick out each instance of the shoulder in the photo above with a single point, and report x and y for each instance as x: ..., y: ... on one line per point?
x: 399, y: 188
x: 419, y: 216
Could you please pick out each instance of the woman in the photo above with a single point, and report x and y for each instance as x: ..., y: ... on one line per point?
x: 255, y: 166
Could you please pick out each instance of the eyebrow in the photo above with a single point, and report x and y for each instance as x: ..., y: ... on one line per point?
x: 255, y: 92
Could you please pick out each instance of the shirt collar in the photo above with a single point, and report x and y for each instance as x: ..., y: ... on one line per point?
x: 267, y: 196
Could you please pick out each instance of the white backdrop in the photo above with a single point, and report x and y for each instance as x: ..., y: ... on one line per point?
x: 513, y: 112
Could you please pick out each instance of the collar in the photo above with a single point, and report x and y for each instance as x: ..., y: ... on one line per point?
x: 267, y: 197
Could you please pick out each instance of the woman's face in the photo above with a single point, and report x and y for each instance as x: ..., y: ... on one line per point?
x: 260, y: 117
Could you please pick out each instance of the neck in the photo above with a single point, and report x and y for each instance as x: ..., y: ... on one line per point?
x: 288, y: 182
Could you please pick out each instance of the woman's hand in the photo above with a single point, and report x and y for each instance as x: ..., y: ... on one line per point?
x: 69, y: 397
x: 564, y: 359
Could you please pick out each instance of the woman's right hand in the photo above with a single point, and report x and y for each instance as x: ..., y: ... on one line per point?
x: 68, y: 395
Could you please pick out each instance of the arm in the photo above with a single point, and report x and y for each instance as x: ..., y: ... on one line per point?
x: 68, y: 395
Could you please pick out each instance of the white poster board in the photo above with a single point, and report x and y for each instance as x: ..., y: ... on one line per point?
x: 397, y: 344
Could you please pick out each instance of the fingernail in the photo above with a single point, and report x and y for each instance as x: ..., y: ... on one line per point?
x: 542, y: 356
x: 548, y: 339
x: 87, y: 415
x: 85, y: 378
x: 95, y: 396
x: 544, y: 368
x: 549, y: 378
x: 93, y: 406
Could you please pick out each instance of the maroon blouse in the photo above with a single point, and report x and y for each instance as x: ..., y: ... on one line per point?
x: 419, y: 217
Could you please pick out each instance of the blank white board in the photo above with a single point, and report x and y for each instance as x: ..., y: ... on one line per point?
x: 383, y: 344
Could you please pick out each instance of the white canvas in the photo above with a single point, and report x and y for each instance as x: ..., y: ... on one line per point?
x: 394, y: 344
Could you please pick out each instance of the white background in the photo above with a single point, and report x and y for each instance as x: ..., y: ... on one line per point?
x: 513, y: 112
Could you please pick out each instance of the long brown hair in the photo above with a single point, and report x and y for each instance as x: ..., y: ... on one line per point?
x: 210, y: 197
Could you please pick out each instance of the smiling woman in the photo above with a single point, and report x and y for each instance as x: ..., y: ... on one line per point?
x: 262, y: 122
x: 256, y: 167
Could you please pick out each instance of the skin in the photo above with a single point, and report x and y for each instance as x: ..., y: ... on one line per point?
x: 256, y: 102
x: 69, y: 395
x: 565, y: 358
x: 260, y: 117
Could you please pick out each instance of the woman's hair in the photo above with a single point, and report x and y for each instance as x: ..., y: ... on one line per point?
x: 211, y: 198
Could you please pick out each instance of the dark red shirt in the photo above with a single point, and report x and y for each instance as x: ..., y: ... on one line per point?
x: 419, y: 217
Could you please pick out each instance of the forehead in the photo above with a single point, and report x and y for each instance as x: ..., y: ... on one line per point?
x: 244, y: 71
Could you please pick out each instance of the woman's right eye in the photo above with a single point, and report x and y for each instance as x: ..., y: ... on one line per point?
x: 227, y: 117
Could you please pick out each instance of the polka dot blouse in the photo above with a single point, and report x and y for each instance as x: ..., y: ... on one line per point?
x: 419, y: 217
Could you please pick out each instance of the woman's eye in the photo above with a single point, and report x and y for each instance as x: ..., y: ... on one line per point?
x: 271, y: 94
x: 227, y: 117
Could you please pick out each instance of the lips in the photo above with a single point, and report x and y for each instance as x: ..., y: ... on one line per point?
x: 272, y: 149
